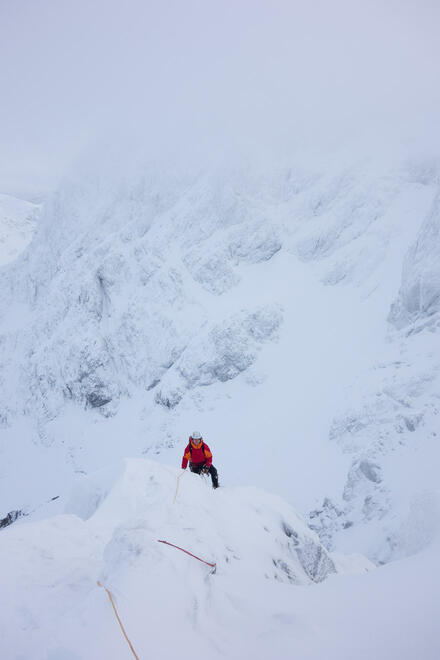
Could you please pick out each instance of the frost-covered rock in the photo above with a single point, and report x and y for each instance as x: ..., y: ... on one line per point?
x: 359, y: 222
x: 18, y: 220
x: 212, y: 263
x: 107, y: 288
x: 399, y: 417
x: 419, y: 295
x: 221, y: 354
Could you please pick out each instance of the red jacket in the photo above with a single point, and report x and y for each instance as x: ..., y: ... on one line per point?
x: 198, y: 454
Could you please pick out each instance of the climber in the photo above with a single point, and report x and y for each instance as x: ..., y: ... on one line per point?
x: 200, y: 458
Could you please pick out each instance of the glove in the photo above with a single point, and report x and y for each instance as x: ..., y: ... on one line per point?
x: 205, y: 469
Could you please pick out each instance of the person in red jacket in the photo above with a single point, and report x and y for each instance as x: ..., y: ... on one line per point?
x: 199, y: 456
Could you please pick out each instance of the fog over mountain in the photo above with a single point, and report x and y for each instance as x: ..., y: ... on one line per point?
x: 222, y: 216
x: 206, y: 74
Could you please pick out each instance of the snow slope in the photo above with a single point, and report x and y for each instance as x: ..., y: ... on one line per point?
x: 276, y: 592
x: 250, y: 302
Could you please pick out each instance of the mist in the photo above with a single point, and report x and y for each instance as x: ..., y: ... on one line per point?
x: 205, y: 78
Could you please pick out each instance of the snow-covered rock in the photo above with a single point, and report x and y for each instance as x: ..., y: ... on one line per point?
x: 419, y: 295
x: 392, y: 438
x: 225, y: 351
x: 212, y: 263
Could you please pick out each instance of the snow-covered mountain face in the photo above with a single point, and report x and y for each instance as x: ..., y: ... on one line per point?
x: 17, y: 225
x: 291, y: 313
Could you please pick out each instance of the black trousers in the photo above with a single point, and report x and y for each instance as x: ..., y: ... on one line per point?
x: 198, y: 467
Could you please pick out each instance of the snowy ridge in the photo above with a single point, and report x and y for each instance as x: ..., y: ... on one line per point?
x: 109, y: 531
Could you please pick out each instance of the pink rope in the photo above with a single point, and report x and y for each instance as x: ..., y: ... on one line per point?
x: 188, y: 553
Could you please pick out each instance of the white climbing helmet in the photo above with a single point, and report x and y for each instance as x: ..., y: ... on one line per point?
x: 195, y: 435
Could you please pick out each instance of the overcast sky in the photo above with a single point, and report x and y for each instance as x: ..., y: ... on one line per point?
x: 209, y: 72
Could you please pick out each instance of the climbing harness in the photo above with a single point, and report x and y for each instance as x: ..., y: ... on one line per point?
x: 109, y: 594
x: 214, y: 566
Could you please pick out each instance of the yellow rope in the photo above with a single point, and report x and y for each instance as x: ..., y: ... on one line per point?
x: 177, y: 485
x: 119, y: 620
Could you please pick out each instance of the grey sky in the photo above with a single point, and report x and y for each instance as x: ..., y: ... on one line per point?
x: 210, y: 72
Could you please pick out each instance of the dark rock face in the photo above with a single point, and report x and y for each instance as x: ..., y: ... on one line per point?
x: 10, y: 518
x: 97, y: 399
x: 290, y: 533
